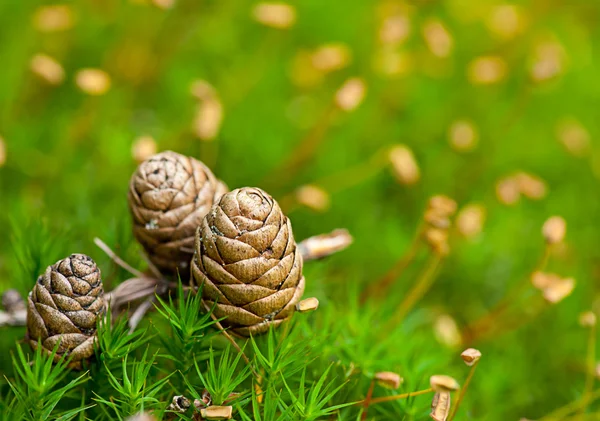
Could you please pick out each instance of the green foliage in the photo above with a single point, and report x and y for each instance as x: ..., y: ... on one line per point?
x: 281, y: 359
x: 68, y: 158
x: 312, y: 403
x: 35, y: 245
x: 134, y: 393
x: 40, y: 385
x: 223, y: 379
x: 115, y: 341
x: 189, y: 325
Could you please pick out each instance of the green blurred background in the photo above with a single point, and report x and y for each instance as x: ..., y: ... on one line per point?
x: 479, y: 90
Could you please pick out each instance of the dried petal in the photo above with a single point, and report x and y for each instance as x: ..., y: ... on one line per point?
x: 442, y: 383
x: 351, y: 94
x: 554, y: 229
x: 93, y: 81
x: 438, y: 39
x: 307, y: 305
x: 470, y: 356
x: 404, y: 165
x: 48, y: 69
x: 587, y: 319
x: 446, y: 331
x: 275, y: 15
x: 143, y: 148
x: 217, y: 412
x: 440, y: 406
x: 470, y: 220
x: 389, y: 379
x: 313, y: 197
x: 487, y: 70
x: 463, y: 136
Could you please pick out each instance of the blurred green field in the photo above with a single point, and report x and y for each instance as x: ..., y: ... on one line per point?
x: 531, y: 105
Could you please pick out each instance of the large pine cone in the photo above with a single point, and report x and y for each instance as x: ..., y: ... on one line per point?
x: 169, y: 194
x: 248, y: 263
x: 64, y: 306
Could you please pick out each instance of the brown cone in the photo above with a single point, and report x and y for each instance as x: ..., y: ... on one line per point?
x: 64, y: 306
x: 248, y: 263
x: 169, y: 194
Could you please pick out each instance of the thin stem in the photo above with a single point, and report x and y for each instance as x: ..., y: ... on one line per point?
x: 563, y: 411
x: 118, y: 260
x: 590, y: 363
x: 463, y: 391
x: 513, y: 323
x: 367, y: 400
x: 232, y: 341
x: 304, y: 151
x: 420, y: 288
x: 477, y: 328
x: 396, y: 397
x: 355, y: 175
x: 379, y: 288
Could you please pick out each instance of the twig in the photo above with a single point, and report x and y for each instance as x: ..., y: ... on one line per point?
x: 367, y: 400
x: 118, y: 260
x: 152, y: 266
x: 139, y: 313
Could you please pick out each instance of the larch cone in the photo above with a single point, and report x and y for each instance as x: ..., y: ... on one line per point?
x: 169, y: 195
x: 247, y: 262
x: 65, y: 306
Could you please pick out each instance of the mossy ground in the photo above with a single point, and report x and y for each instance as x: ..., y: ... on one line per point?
x: 68, y: 162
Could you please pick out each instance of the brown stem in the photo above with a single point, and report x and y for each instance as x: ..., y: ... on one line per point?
x: 417, y: 292
x: 118, y: 260
x: 562, y: 412
x: 367, y: 400
x: 396, y: 397
x: 590, y: 372
x: 232, y: 341
x: 380, y: 288
x: 479, y: 328
x: 463, y: 391
x: 304, y: 151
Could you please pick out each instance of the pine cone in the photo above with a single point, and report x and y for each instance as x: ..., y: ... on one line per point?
x: 248, y: 263
x: 64, y: 306
x: 169, y: 194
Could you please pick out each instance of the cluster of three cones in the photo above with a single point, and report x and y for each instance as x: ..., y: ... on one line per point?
x: 237, y: 246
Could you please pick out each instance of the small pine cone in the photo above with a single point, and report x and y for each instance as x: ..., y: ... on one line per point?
x: 248, y: 263
x: 64, y: 306
x: 169, y: 194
